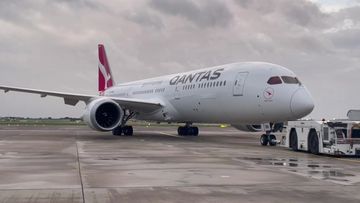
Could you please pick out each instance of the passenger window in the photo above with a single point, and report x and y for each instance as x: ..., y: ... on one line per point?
x: 290, y: 80
x: 217, y: 83
x: 275, y: 80
x: 221, y: 83
x: 224, y: 82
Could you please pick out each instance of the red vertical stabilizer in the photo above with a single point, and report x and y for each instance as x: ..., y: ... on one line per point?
x: 105, y: 77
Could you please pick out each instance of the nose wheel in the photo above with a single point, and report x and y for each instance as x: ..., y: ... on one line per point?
x: 266, y: 139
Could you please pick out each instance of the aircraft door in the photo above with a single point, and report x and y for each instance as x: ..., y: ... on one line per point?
x: 240, y: 83
x: 177, y: 92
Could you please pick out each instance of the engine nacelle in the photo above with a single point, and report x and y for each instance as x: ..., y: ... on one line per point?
x: 103, y: 114
x: 249, y: 128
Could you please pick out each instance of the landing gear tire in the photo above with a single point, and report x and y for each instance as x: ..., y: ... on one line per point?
x: 272, y: 140
x: 188, y: 131
x: 117, y: 131
x: 313, y: 143
x: 196, y: 131
x: 181, y: 131
x: 293, y: 142
x: 264, y: 140
x: 126, y: 130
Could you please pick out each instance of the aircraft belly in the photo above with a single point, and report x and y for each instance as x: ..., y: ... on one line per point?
x: 216, y: 109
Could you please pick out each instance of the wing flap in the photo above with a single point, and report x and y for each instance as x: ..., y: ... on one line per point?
x: 138, y: 105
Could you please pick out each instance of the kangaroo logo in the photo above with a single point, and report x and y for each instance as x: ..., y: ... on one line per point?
x: 105, y: 74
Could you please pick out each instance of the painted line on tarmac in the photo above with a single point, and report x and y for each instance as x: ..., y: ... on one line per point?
x: 172, y: 135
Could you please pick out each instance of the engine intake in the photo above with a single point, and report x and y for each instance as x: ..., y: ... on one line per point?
x: 103, y: 114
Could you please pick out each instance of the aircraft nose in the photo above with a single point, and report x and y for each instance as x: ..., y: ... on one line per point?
x: 301, y: 103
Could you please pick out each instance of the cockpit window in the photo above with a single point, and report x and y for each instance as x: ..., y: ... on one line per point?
x: 275, y: 80
x: 290, y: 80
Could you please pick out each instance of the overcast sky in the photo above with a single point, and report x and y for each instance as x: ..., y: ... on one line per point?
x: 52, y: 45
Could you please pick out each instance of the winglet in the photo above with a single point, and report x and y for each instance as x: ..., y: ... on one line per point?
x: 106, y: 79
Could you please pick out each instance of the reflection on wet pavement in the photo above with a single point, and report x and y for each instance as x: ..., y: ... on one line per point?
x: 309, y: 168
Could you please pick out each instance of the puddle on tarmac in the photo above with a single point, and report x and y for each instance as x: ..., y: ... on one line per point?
x: 313, y: 166
x: 335, y: 173
x: 314, y: 169
x: 293, y: 164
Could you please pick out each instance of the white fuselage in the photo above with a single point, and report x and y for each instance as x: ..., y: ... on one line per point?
x: 233, y: 93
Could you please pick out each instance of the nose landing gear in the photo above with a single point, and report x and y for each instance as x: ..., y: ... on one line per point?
x: 268, y: 138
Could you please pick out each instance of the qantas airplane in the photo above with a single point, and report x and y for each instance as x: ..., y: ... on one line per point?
x: 246, y: 95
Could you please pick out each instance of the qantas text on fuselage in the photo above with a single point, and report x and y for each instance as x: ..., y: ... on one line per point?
x: 196, y: 77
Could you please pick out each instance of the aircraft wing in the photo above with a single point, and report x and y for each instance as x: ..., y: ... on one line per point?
x: 139, y: 105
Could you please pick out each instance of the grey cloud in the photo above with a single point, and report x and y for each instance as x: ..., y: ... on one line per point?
x: 351, y: 13
x: 145, y: 18
x: 302, y: 13
x: 16, y: 10
x: 344, y: 31
x: 264, y: 7
x: 79, y: 4
x: 55, y: 42
x: 347, y: 39
x: 205, y: 14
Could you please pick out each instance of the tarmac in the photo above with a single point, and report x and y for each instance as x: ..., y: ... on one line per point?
x: 76, y: 164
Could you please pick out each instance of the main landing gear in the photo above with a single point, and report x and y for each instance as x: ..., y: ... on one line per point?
x: 188, y: 130
x: 268, y: 139
x: 124, y: 129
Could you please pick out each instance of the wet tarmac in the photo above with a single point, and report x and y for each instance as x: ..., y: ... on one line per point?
x: 76, y: 164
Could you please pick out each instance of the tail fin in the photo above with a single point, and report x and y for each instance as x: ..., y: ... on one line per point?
x: 106, y: 79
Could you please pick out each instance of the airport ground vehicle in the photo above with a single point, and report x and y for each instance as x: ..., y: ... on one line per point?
x: 335, y: 137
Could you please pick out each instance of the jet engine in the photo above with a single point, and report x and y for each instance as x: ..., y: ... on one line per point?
x: 249, y: 128
x: 103, y: 114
